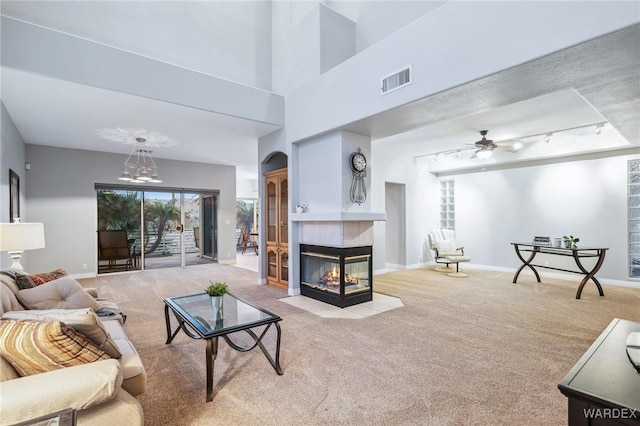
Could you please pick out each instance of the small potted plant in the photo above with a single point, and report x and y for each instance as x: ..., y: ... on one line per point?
x: 570, y: 241
x: 216, y: 290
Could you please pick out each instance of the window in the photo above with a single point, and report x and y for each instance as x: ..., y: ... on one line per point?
x: 447, y: 205
x: 634, y: 218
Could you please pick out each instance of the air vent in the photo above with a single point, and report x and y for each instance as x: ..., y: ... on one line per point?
x: 396, y: 80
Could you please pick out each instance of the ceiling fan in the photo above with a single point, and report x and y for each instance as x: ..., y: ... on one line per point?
x: 486, y: 146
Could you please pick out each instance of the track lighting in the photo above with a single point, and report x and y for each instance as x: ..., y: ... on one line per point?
x: 598, y: 128
x: 516, y: 144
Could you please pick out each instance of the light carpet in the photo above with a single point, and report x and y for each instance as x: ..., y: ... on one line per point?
x: 477, y: 351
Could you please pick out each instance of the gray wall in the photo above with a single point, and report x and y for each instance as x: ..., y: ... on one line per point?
x: 61, y: 194
x: 12, y: 154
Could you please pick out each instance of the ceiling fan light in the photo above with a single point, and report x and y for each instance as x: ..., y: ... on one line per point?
x: 517, y: 145
x: 484, y: 153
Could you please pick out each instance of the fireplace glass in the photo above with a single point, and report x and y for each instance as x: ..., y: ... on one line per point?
x: 339, y: 276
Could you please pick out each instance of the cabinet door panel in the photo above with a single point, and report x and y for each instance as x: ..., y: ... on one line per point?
x: 272, y: 217
x: 284, y: 211
x: 272, y: 264
x: 284, y: 266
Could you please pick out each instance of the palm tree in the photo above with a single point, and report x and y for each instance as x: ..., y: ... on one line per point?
x: 118, y: 210
x: 161, y: 215
x: 244, y: 214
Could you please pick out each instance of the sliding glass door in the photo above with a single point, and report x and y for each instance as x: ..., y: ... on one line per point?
x: 119, y: 231
x: 163, y: 245
x: 160, y: 229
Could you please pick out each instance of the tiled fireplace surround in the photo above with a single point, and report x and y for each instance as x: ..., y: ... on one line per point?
x: 336, y: 234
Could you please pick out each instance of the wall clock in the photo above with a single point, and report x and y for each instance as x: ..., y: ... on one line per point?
x: 358, y: 163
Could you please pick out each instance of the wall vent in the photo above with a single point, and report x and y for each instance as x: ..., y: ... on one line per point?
x: 396, y: 80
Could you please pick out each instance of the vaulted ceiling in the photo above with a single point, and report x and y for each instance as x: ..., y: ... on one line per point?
x: 595, y: 81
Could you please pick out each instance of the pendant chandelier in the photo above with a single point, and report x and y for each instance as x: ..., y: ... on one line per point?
x: 144, y: 169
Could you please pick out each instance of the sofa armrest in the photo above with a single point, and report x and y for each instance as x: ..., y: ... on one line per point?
x: 75, y: 387
x: 93, y: 292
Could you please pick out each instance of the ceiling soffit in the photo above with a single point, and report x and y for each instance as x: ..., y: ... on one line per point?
x: 605, y: 71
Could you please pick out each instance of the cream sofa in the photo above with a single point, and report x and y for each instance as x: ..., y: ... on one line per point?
x: 102, y: 392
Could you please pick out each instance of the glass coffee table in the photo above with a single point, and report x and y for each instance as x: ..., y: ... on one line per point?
x: 200, y: 320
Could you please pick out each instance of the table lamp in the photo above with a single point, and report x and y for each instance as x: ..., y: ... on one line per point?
x: 17, y: 237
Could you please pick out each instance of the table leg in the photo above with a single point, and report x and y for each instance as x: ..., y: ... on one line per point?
x: 525, y: 263
x: 211, y: 355
x: 590, y: 275
x: 274, y: 363
x: 168, y: 324
x: 258, y: 342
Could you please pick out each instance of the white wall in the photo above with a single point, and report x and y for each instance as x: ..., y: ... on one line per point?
x: 12, y: 155
x: 585, y: 198
x: 227, y: 39
x: 378, y: 19
x: 61, y: 194
x: 440, y: 47
x: 65, y: 57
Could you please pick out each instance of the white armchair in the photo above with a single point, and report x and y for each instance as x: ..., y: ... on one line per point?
x: 442, y: 242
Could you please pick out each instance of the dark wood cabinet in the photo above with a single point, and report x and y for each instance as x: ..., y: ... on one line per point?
x: 603, y: 388
x: 277, y: 228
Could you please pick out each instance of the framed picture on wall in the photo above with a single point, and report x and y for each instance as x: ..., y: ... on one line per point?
x: 14, y: 196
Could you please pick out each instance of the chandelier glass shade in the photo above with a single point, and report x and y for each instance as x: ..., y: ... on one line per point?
x: 143, y: 169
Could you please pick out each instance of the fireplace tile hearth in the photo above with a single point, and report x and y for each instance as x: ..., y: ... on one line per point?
x: 380, y: 303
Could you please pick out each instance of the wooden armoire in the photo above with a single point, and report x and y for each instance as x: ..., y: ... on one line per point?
x: 277, y: 228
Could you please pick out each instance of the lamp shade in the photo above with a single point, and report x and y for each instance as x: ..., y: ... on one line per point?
x: 21, y: 236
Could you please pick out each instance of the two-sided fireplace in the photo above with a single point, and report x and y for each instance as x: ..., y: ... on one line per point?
x: 339, y: 276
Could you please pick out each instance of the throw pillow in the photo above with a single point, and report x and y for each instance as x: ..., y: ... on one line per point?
x: 34, y: 347
x: 84, y: 321
x: 63, y: 293
x: 25, y: 281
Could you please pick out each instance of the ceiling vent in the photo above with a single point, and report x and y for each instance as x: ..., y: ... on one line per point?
x: 396, y: 80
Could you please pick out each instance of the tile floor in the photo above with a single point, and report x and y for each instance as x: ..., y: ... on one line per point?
x: 380, y: 303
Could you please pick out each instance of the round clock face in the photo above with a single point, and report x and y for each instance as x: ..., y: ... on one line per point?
x: 358, y: 162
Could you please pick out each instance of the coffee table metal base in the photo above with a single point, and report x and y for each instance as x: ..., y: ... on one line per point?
x: 212, y: 345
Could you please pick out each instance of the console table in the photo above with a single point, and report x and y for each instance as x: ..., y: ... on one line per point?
x: 603, y: 387
x: 576, y: 253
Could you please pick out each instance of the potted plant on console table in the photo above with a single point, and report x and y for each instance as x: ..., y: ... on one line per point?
x: 571, y: 241
x: 216, y: 290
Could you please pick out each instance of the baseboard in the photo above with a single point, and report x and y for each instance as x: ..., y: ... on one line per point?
x: 227, y: 262
x: 391, y: 267
x: 556, y: 275
x: 85, y: 275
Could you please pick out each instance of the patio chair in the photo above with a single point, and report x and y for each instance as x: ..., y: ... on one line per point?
x: 247, y: 241
x: 115, y: 246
